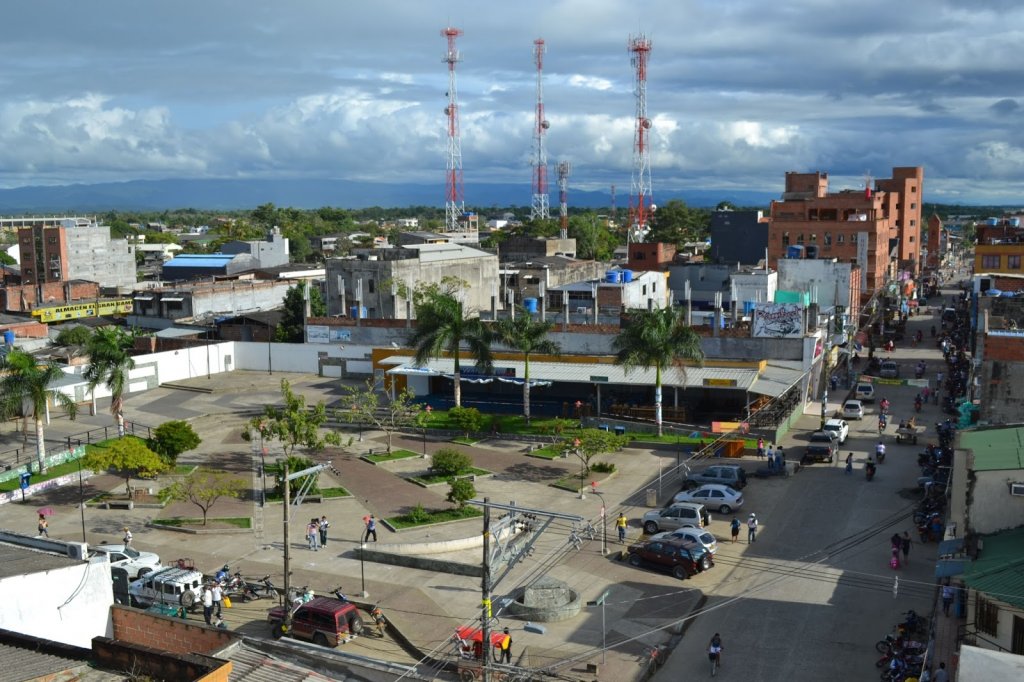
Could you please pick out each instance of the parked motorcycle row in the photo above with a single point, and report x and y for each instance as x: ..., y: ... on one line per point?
x: 902, y: 656
x: 235, y: 586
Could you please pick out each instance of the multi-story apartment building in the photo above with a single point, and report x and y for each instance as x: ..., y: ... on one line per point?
x: 878, y: 230
x: 1000, y: 247
x: 61, y: 249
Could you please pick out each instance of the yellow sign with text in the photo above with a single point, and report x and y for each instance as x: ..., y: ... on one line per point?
x: 121, y: 306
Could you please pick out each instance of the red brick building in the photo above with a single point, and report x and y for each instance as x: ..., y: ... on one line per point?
x: 836, y: 225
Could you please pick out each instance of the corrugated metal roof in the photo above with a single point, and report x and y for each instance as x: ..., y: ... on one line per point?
x: 200, y: 260
x: 999, y: 569
x: 17, y: 560
x: 779, y: 376
x: 20, y: 664
x: 998, y: 449
x: 589, y: 373
x: 250, y: 665
x: 178, y: 332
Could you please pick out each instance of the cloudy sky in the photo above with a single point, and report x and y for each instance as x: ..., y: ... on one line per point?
x: 740, y: 91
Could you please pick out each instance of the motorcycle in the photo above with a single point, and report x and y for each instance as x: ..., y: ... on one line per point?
x: 869, y: 470
x: 917, y: 404
x: 913, y: 623
x: 299, y: 596
x: 892, y: 643
x: 880, y: 453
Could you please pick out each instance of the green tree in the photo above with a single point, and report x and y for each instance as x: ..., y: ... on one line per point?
x: 172, y: 438
x: 594, y: 241
x: 528, y: 336
x: 460, y: 491
x: 676, y: 223
x: 589, y: 443
x: 127, y: 456
x: 203, y: 487
x: 293, y: 316
x: 25, y: 388
x: 443, y: 326
x: 449, y: 462
x: 7, y: 259
x: 468, y: 419
x: 110, y: 364
x: 294, y: 424
x: 79, y: 335
x: 295, y: 464
x: 657, y: 339
x: 385, y: 413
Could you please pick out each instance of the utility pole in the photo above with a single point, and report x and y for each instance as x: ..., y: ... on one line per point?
x: 485, y: 603
x: 287, y: 554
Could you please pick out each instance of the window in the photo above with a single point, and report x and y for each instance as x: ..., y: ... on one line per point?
x: 986, y: 616
x: 990, y: 261
x: 639, y: 255
x: 913, y: 206
x: 814, y: 238
x: 1013, y: 262
x: 800, y: 238
x: 1017, y: 640
x: 828, y: 239
x: 913, y: 189
x: 913, y: 222
x: 911, y: 239
x: 840, y: 238
x: 853, y: 238
x: 785, y: 238
x: 370, y: 285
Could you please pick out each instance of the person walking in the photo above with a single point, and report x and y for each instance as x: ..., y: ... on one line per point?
x: 948, y: 595
x: 780, y: 460
x: 313, y: 534
x: 127, y: 539
x: 217, y: 595
x: 941, y: 675
x: 752, y: 528
x: 849, y: 463
x: 620, y: 524
x: 771, y: 456
x: 905, y: 546
x: 371, y: 528
x: 506, y: 648
x: 43, y: 527
x: 323, y: 526
x: 735, y: 528
x: 760, y: 448
x: 208, y: 604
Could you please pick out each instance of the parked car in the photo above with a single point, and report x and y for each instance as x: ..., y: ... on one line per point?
x: 690, y: 537
x: 731, y: 475
x: 325, y: 621
x: 839, y: 427
x: 175, y: 586
x: 714, y: 496
x: 864, y: 392
x: 136, y: 563
x: 681, y: 560
x: 853, y: 409
x: 676, y: 515
x: 820, y: 452
x: 823, y: 436
x: 890, y: 370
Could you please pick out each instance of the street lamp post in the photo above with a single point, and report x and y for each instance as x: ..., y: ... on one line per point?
x: 600, y: 601
x: 583, y: 465
x: 604, y: 518
x: 428, y: 410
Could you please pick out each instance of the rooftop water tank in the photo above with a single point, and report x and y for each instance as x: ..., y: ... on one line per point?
x: 627, y: 276
x: 531, y: 305
x: 612, y: 276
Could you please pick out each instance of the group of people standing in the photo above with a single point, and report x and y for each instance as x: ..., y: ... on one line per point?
x: 776, y: 457
x: 316, y: 533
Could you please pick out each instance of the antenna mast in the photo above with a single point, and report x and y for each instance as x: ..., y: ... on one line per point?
x: 455, y: 205
x: 563, y: 192
x: 640, y: 197
x: 613, y: 215
x: 539, y: 209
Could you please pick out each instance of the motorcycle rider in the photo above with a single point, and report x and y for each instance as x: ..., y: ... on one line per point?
x: 918, y: 402
x: 715, y: 649
x: 869, y: 469
x: 880, y: 452
x: 884, y: 404
x: 882, y: 422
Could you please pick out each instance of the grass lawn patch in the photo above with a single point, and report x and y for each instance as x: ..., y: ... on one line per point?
x: 395, y: 454
x: 434, y: 479
x: 328, y: 493
x: 237, y: 521
x: 421, y: 517
x: 572, y: 483
x: 183, y: 469
x: 52, y: 472
x: 462, y: 440
x: 545, y: 453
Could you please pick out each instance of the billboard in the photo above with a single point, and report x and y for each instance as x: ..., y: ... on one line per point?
x: 122, y: 306
x: 778, y: 320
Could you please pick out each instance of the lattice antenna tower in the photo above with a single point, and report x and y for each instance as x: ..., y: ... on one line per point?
x: 563, y: 193
x: 454, y: 204
x: 640, y: 196
x: 540, y: 209
x: 613, y: 214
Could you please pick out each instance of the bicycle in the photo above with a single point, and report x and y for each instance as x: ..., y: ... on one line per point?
x: 715, y: 658
x: 577, y: 535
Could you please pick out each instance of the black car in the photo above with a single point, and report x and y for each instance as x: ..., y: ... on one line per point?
x: 675, y: 555
x: 820, y: 452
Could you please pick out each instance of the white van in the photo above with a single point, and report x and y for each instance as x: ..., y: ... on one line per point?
x: 865, y: 392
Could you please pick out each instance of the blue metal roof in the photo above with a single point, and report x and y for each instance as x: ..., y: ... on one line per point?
x: 200, y: 260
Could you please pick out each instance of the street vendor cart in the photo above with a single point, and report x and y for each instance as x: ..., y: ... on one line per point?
x: 908, y: 430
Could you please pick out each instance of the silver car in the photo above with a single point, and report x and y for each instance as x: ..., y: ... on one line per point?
x: 690, y: 537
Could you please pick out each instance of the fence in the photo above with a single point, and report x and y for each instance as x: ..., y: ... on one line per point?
x: 17, y: 457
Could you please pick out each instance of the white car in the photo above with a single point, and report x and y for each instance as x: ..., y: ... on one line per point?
x: 135, y: 562
x: 713, y: 496
x: 838, y: 427
x: 173, y: 586
x: 853, y: 409
x: 690, y: 536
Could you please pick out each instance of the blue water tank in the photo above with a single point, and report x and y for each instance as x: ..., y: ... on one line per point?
x: 794, y: 252
x: 612, y: 276
x: 531, y: 305
x: 627, y: 276
x: 992, y: 221
x: 355, y: 312
x: 1014, y: 222
x: 8, y: 338
x: 811, y: 250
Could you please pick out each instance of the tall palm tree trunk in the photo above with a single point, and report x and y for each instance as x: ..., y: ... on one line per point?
x: 458, y: 388
x: 117, y: 407
x: 657, y: 399
x: 40, y: 446
x: 526, y: 390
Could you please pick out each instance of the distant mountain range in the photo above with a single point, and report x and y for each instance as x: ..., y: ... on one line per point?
x: 226, y: 195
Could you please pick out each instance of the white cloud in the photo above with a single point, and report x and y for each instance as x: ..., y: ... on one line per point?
x: 590, y: 82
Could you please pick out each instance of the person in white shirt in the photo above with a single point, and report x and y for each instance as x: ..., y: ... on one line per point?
x: 217, y: 594
x: 208, y: 605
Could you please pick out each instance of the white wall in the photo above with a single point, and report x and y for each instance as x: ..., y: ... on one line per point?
x: 69, y: 605
x: 993, y: 508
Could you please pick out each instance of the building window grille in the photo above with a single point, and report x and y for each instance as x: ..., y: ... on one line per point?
x: 990, y: 261
x: 800, y: 238
x: 986, y: 616
x: 840, y: 238
x: 1013, y: 262
x: 828, y: 239
x: 785, y: 238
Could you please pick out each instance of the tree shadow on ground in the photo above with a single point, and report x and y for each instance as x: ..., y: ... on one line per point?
x: 531, y: 473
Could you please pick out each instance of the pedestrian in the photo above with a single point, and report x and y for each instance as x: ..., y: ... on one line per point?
x: 620, y: 524
x: 780, y: 459
x: 849, y: 463
x: 323, y: 530
x: 506, y: 648
x: 771, y: 455
x: 941, y: 675
x: 208, y: 604
x: 948, y: 594
x: 752, y: 528
x: 905, y: 546
x: 127, y: 539
x: 735, y: 528
x: 43, y: 527
x: 760, y: 448
x: 371, y: 529
x: 894, y: 561
x: 313, y: 534
x: 217, y: 595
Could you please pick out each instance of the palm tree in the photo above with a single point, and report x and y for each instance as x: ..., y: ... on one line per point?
x: 25, y: 383
x: 109, y: 364
x: 442, y: 326
x: 527, y: 336
x: 657, y: 338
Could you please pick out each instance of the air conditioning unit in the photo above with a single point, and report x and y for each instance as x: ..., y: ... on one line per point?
x: 78, y: 550
x: 583, y: 311
x: 1017, y: 489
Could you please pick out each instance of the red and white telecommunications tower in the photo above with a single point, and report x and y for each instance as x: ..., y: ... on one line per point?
x: 640, y: 197
x: 455, y: 205
x: 539, y: 209
x: 563, y: 193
